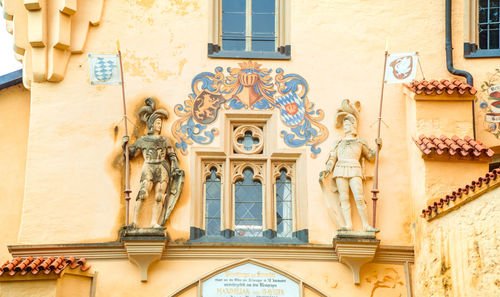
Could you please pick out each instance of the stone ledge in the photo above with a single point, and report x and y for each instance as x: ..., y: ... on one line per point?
x: 386, y: 254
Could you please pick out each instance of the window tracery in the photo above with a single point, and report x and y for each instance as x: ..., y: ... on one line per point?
x: 248, y: 139
x: 248, y: 189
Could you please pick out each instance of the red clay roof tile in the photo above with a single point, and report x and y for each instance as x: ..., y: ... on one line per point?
x: 444, y: 86
x: 462, y: 194
x: 468, y: 148
x: 45, y: 265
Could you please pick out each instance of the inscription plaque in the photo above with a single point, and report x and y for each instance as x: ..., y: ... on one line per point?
x: 250, y: 280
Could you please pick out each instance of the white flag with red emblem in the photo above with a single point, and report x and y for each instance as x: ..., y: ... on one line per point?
x: 401, y: 68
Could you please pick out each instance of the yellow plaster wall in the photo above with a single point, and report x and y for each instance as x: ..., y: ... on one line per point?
x: 74, y: 286
x: 431, y: 179
x: 68, y: 285
x: 35, y: 288
x: 166, y: 277
x: 450, y: 117
x: 442, y: 178
x: 459, y: 251
x: 14, y: 122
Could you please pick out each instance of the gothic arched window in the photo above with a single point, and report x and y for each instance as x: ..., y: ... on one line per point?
x: 249, y: 189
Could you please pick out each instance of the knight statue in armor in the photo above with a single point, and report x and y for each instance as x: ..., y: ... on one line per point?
x: 160, y: 169
x: 345, y: 170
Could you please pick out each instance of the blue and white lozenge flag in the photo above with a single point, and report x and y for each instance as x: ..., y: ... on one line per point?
x: 104, y: 69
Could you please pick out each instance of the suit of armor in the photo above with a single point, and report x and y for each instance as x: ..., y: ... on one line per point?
x: 345, y: 168
x: 159, y: 157
x: 160, y: 162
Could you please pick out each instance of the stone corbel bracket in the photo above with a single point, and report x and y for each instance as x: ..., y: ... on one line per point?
x: 144, y: 250
x: 355, y: 251
x: 47, y: 32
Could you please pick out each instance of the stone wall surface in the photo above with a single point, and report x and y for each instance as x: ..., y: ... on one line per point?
x: 458, y: 254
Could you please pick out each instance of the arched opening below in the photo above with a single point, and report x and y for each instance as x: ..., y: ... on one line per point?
x: 251, y: 277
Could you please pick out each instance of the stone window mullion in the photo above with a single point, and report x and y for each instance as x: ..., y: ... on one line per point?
x: 228, y: 211
x: 269, y: 204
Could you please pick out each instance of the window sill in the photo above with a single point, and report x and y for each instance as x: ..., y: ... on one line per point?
x: 253, y: 240
x: 495, y: 53
x: 269, y: 237
x: 249, y: 55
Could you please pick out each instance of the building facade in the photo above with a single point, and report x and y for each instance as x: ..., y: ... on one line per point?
x: 250, y: 96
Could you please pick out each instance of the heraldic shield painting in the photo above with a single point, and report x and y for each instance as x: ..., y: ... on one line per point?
x: 489, y: 102
x: 249, y: 87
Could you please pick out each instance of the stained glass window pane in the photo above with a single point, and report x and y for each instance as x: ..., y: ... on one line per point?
x: 483, y: 11
x: 248, y: 206
x: 233, y: 24
x: 212, y: 198
x: 248, y: 141
x: 263, y: 25
x: 284, y: 205
x: 493, y: 36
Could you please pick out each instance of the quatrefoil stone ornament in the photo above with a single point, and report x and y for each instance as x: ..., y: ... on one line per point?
x: 248, y: 139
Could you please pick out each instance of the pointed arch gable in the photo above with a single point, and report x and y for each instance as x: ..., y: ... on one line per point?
x: 198, y: 282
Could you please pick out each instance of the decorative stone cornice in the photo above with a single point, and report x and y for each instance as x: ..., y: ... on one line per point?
x: 385, y: 254
x: 47, y: 32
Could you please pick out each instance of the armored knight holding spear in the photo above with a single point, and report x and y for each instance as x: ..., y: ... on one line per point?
x: 344, y: 170
x: 160, y: 169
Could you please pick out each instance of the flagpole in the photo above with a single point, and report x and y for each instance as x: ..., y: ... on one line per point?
x: 375, y: 189
x: 127, y: 190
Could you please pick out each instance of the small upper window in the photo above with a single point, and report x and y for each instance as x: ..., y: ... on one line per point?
x: 484, y: 32
x: 488, y: 24
x: 249, y: 29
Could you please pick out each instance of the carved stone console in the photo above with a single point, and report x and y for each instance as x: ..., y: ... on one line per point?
x: 144, y: 246
x: 354, y: 249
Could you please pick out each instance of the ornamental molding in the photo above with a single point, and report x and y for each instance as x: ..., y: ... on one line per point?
x: 207, y: 167
x: 288, y: 166
x: 47, y: 32
x: 256, y: 166
x: 385, y: 254
x: 255, y: 133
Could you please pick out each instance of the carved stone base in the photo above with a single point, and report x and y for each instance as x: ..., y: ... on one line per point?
x: 144, y: 246
x: 354, y: 234
x: 354, y: 249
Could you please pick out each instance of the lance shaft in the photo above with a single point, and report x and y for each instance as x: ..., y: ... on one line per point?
x: 375, y: 190
x: 127, y: 190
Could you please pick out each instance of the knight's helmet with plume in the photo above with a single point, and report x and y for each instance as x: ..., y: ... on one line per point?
x: 148, y: 114
x: 348, y: 111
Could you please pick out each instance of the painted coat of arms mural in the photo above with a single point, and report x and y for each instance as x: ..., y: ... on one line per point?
x: 249, y: 87
x: 489, y: 102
